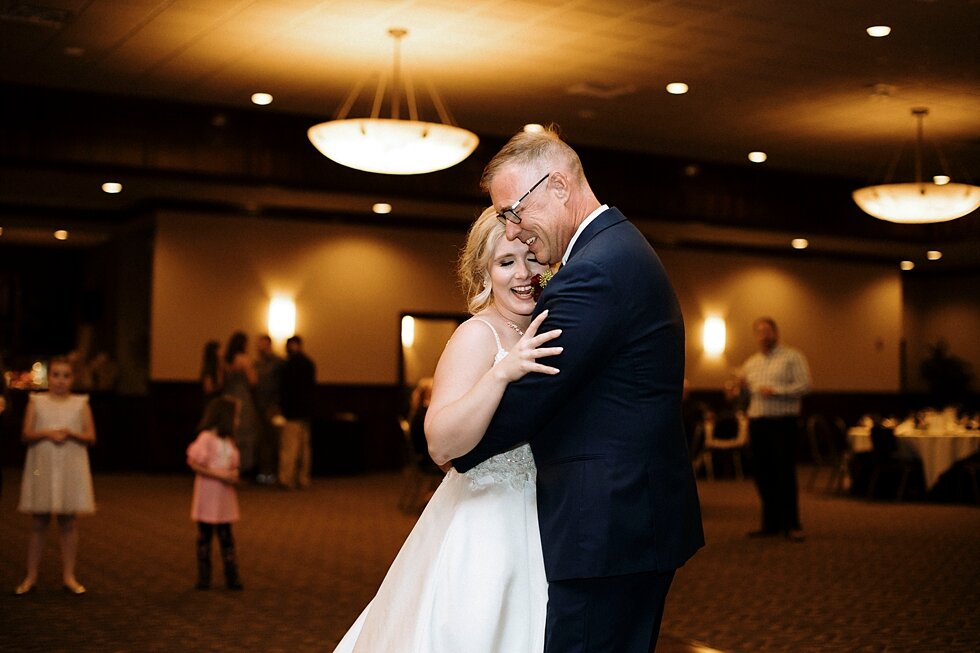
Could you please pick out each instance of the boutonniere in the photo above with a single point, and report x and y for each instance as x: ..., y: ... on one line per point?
x: 539, y: 281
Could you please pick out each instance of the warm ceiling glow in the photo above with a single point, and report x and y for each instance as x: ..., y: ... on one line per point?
x: 282, y: 318
x: 381, y: 208
x: 757, y: 157
x: 261, y: 99
x: 713, y: 336
x: 879, y: 31
x: 906, y: 265
x: 533, y: 128
x: 61, y: 234
x: 940, y: 180
x: 934, y: 255
x: 112, y: 187
x: 677, y: 88
x: 408, y: 331
x: 73, y: 51
x: 800, y: 243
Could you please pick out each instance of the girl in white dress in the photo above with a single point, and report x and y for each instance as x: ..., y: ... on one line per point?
x: 58, y: 429
x: 470, y: 577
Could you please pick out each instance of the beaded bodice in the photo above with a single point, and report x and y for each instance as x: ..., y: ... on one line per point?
x: 515, y: 467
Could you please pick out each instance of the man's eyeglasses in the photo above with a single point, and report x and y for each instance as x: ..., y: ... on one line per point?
x: 510, y: 213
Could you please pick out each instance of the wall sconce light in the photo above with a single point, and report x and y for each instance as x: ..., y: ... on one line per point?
x: 282, y: 318
x: 408, y: 331
x: 713, y: 336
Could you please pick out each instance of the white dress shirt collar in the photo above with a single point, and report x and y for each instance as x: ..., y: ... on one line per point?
x: 578, y: 232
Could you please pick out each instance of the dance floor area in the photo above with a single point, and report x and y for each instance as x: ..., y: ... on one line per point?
x: 872, y: 576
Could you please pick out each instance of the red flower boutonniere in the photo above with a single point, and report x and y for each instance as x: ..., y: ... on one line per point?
x: 539, y: 281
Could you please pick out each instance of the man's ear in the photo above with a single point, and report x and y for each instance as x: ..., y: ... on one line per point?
x: 559, y: 185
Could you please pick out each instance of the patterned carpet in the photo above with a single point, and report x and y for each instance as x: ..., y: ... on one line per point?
x: 871, y: 576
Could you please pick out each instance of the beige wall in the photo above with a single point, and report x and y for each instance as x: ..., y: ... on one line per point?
x: 942, y: 307
x: 213, y: 275
x: 845, y: 317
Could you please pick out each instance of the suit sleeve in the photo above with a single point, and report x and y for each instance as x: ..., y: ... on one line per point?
x: 581, y: 304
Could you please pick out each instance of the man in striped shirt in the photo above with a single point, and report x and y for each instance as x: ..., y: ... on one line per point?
x: 776, y: 378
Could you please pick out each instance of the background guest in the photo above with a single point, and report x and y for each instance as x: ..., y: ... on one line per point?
x: 212, y: 373
x: 268, y: 367
x: 58, y: 429
x: 776, y: 377
x: 297, y: 394
x: 240, y: 380
x: 214, y: 458
x: 419, y: 405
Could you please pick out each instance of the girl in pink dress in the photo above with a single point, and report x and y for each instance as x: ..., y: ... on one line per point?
x: 214, y: 457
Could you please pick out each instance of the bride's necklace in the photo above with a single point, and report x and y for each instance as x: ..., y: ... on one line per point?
x: 509, y: 323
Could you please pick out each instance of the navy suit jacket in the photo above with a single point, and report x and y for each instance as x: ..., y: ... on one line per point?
x: 616, y: 492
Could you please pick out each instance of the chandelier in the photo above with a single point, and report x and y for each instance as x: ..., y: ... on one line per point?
x: 393, y: 146
x: 919, y: 202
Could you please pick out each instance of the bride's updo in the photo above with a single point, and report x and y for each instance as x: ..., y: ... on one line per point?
x: 474, y: 260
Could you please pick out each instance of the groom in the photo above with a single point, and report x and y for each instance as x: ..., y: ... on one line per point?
x: 617, y: 501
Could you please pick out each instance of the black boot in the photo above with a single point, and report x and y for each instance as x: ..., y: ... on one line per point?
x: 228, y: 557
x: 203, y: 560
x: 231, y: 576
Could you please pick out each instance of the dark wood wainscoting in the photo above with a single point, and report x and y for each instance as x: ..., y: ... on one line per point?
x: 355, y: 429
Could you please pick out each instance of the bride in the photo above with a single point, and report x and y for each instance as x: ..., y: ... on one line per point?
x: 470, y: 577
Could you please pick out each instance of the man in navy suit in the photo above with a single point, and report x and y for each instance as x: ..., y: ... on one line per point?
x: 617, y: 501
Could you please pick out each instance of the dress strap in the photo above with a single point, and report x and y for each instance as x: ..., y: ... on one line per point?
x: 500, y: 349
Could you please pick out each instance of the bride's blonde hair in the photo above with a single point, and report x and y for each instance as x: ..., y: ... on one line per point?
x: 473, y: 270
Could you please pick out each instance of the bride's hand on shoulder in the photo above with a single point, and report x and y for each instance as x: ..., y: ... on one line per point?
x: 523, y: 357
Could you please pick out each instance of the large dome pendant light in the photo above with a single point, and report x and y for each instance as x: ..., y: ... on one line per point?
x: 919, y: 202
x: 394, y: 146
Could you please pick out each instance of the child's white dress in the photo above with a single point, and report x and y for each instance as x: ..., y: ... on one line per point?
x: 57, y: 478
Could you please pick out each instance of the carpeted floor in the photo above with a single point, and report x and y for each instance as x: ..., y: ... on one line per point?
x: 871, y: 576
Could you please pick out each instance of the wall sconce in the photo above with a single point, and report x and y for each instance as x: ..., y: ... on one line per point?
x: 408, y: 331
x: 713, y: 336
x: 282, y: 318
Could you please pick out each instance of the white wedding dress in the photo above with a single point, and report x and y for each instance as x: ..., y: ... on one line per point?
x: 470, y: 577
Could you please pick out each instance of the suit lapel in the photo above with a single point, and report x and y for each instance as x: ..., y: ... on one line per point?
x: 603, y: 221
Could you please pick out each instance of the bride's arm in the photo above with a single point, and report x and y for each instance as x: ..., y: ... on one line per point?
x: 467, y: 386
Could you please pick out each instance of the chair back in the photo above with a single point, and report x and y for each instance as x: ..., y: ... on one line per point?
x: 883, y: 442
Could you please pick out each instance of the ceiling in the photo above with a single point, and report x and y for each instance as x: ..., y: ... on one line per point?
x: 801, y: 81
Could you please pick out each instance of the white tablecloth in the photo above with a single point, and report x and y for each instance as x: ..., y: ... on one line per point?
x: 937, y: 452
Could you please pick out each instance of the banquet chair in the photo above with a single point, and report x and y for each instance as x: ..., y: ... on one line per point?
x: 421, y: 479
x: 724, y: 435
x: 888, y: 459
x: 828, y: 450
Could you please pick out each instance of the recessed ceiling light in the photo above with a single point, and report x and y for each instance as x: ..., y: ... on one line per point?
x: 533, y: 128
x: 61, y: 234
x: 677, y: 88
x: 940, y: 180
x: 934, y: 255
x: 112, y: 187
x: 800, y: 243
x: 879, y: 31
x: 381, y: 208
x: 261, y: 99
x: 757, y: 157
x: 1, y: 231
x: 906, y: 265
